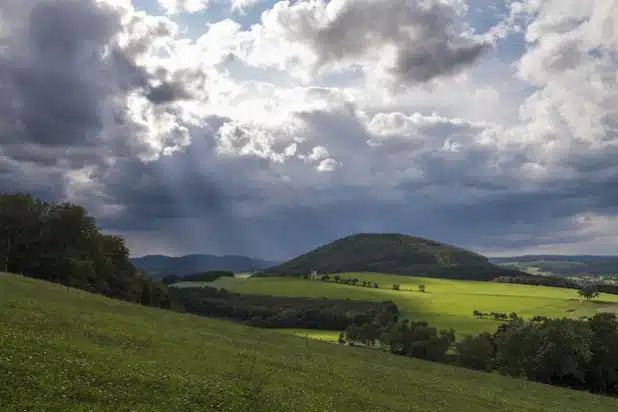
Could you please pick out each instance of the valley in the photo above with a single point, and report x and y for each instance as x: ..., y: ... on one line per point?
x: 446, y: 303
x: 66, y: 349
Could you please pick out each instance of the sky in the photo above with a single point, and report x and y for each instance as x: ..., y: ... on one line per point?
x: 267, y: 128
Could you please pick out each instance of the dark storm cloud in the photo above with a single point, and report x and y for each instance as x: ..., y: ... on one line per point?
x: 41, y: 75
x: 291, y: 230
x: 423, y: 34
x: 166, y: 92
x: 61, y: 68
x: 189, y: 184
x: 192, y: 198
x: 439, y: 59
x: 504, y: 221
x: 507, y: 216
x: 58, y: 31
x: 18, y: 177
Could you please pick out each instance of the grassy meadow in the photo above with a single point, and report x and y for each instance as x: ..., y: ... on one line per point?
x: 67, y: 350
x: 445, y: 304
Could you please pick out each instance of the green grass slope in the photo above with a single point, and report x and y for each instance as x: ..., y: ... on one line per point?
x: 72, y: 351
x: 446, y: 304
x: 391, y: 253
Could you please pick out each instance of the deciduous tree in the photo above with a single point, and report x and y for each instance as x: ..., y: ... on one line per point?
x: 588, y: 292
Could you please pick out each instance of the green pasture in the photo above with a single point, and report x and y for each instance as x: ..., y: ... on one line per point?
x: 445, y: 304
x: 67, y: 350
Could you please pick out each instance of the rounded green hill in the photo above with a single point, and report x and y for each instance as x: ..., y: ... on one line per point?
x: 391, y: 253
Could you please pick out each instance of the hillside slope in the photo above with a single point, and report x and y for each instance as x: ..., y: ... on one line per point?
x: 391, y: 253
x: 159, y: 266
x: 74, y: 351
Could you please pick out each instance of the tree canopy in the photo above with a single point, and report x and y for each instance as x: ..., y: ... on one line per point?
x: 60, y: 242
x: 588, y: 292
x: 208, y: 276
x: 563, y: 352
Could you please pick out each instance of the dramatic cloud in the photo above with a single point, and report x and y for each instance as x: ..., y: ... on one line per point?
x: 406, y: 41
x: 80, y: 87
x: 493, y: 128
x: 172, y: 7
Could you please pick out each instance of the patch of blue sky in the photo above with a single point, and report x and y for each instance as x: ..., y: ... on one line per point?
x: 195, y: 24
x: 148, y: 6
x: 482, y: 15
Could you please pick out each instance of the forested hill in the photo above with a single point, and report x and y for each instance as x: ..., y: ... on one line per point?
x: 159, y: 266
x: 392, y: 253
x: 60, y: 243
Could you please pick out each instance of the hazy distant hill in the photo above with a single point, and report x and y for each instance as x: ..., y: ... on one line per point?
x: 561, y: 265
x: 160, y: 265
x: 391, y: 253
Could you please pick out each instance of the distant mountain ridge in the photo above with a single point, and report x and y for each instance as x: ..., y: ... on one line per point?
x: 556, y: 258
x: 392, y: 253
x: 159, y: 266
x: 562, y: 265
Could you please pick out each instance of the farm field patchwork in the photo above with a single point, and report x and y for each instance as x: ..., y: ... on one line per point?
x: 445, y: 304
x: 68, y: 350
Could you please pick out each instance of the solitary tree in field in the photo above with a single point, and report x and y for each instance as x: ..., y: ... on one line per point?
x: 395, y: 287
x: 421, y: 288
x: 588, y: 292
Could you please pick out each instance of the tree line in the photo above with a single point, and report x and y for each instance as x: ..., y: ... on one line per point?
x: 209, y: 276
x: 585, y: 290
x: 564, y: 352
x: 278, y: 311
x: 60, y: 243
x: 354, y: 281
x: 553, y: 281
x: 494, y: 315
x: 558, y: 282
x: 343, y: 280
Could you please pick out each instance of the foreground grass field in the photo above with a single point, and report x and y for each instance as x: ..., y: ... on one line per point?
x: 446, y: 304
x: 67, y: 350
